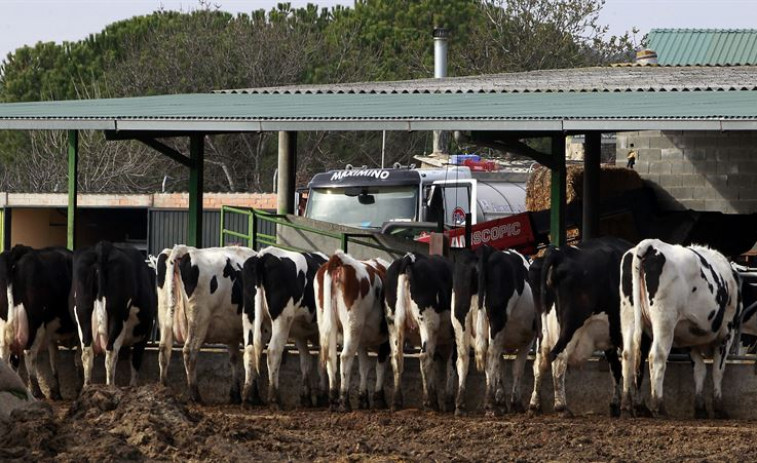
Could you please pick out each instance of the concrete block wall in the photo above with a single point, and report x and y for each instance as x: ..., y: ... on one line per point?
x: 705, y: 171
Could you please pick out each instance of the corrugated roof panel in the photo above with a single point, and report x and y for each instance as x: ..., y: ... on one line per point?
x: 365, y: 106
x: 704, y: 47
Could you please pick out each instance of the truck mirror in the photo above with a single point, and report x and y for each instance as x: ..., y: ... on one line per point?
x: 365, y: 198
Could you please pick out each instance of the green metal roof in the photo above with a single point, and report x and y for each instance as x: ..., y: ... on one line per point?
x: 704, y: 47
x: 538, y: 111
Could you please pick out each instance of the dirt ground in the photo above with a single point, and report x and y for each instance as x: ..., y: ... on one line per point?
x: 150, y: 424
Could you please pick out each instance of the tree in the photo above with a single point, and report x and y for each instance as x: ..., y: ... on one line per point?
x: 206, y: 50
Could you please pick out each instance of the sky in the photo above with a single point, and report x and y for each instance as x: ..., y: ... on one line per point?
x: 25, y: 22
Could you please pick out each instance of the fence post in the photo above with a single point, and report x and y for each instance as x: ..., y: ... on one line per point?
x: 252, y: 227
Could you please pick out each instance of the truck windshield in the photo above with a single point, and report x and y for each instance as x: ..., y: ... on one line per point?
x: 364, y: 207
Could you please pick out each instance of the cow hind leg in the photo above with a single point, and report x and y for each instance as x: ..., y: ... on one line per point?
x: 658, y: 358
x: 516, y: 399
x: 52, y: 350
x: 30, y: 361
x: 540, y: 368
x: 379, y: 398
x: 111, y: 360
x: 280, y: 333
x: 349, y: 348
x: 462, y: 344
x: 235, y: 396
x: 251, y: 389
x: 164, y: 354
x: 559, y: 368
x: 616, y: 376
x: 700, y: 372
x: 306, y: 363
x: 87, y: 361
x: 718, y: 367
x: 396, y: 342
x: 364, y: 363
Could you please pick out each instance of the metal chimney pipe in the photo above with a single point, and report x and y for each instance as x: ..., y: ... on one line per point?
x: 440, y: 52
x: 441, y: 35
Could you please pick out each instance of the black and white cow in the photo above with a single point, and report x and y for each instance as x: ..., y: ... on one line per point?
x: 278, y: 292
x: 113, y: 302
x: 200, y: 294
x: 579, y: 309
x: 34, y: 308
x: 349, y: 298
x: 493, y: 311
x: 682, y: 297
x: 418, y: 295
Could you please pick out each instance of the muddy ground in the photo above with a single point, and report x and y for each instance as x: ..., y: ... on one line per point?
x: 150, y: 423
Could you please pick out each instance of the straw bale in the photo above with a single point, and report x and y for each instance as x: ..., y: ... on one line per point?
x: 612, y: 181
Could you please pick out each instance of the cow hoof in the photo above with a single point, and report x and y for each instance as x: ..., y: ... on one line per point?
x: 397, y: 402
x: 322, y: 399
x: 700, y: 413
x: 449, y: 405
x: 194, y: 395
x: 305, y: 400
x: 37, y: 393
x: 234, y: 396
x: 55, y: 395
x: 642, y: 411
x: 362, y: 401
x: 517, y: 407
x: 563, y: 411
x: 251, y: 396
x: 660, y: 412
x: 534, y: 409
x: 344, y: 405
x: 614, y: 410
x: 379, y: 401
x: 334, y: 400
x: 720, y: 414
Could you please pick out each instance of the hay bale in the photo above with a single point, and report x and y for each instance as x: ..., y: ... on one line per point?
x: 612, y: 181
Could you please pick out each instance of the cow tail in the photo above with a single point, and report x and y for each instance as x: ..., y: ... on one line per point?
x: 481, y: 344
x: 639, y: 299
x: 257, y: 325
x: 403, y: 297
x: 328, y: 326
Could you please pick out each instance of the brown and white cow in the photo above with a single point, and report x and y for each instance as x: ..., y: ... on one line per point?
x: 200, y: 299
x: 349, y: 295
x: 418, y: 295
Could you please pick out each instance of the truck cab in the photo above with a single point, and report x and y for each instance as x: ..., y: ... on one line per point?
x: 376, y: 198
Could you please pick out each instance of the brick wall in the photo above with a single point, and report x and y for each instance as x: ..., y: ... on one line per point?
x: 706, y: 171
x: 211, y: 201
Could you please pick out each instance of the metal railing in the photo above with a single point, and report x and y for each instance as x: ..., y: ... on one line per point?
x: 255, y: 237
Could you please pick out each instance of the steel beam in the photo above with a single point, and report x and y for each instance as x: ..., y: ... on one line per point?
x: 73, y: 161
x: 558, y: 195
x: 592, y: 159
x: 196, y: 154
x: 287, y: 172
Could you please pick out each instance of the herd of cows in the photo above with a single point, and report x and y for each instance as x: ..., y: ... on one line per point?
x: 631, y: 302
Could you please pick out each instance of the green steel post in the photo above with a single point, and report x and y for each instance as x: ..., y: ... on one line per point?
x: 73, y: 160
x: 251, y: 229
x: 557, y: 196
x: 344, y: 242
x: 2, y: 229
x: 196, y: 154
x: 223, y: 227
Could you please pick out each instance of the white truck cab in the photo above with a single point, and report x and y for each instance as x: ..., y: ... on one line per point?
x: 371, y: 198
